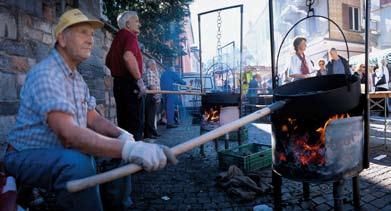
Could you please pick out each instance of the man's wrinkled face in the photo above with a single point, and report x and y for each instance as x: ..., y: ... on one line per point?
x: 334, y: 54
x: 133, y: 24
x: 78, y: 40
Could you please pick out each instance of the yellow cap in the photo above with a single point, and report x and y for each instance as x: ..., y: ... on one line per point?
x: 72, y: 17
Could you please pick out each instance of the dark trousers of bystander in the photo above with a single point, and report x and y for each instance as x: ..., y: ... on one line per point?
x: 130, y: 108
x: 150, y: 114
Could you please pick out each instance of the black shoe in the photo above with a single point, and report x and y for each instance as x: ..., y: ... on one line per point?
x: 160, y: 122
x: 147, y: 136
x: 150, y: 140
x: 156, y: 134
x: 171, y: 126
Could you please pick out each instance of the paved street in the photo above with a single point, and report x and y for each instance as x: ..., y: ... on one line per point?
x: 191, y: 184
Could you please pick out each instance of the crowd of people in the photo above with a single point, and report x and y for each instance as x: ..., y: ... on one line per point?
x: 59, y: 135
x: 301, y: 67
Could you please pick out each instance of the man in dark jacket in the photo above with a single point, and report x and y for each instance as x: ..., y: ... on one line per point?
x: 337, y: 64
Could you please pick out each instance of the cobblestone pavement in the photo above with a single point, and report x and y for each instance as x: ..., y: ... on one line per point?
x: 191, y: 184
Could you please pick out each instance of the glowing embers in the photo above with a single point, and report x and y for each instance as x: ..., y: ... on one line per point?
x: 210, y: 117
x: 212, y: 114
x: 305, y: 145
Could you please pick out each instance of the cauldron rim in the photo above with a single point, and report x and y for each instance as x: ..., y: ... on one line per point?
x: 289, y: 86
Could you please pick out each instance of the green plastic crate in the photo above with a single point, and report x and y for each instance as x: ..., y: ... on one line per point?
x: 248, y: 157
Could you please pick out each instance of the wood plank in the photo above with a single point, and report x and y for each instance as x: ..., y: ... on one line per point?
x: 380, y: 94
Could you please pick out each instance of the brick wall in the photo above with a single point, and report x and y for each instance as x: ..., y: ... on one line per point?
x: 337, y: 14
x: 26, y: 38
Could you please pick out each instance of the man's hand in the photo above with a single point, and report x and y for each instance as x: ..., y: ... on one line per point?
x: 156, y: 97
x: 125, y: 136
x: 141, y: 87
x: 149, y: 156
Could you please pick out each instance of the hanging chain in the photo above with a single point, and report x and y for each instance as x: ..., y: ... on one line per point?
x: 218, y: 36
x: 311, y: 10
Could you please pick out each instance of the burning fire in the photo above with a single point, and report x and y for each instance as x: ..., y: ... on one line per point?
x: 212, y: 115
x: 322, y: 130
x: 302, y: 151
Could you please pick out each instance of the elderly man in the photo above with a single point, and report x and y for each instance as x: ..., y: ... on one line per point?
x: 152, y: 81
x: 58, y: 130
x: 126, y: 64
x: 337, y: 64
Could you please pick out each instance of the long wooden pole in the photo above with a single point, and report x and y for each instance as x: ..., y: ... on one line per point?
x: 173, y: 92
x: 80, y: 184
x: 186, y: 86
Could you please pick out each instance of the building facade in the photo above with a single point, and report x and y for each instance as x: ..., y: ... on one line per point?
x: 321, y: 33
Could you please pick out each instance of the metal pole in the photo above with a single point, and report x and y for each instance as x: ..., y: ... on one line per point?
x: 241, y: 56
x: 240, y: 73
x: 277, y: 183
x: 356, y: 192
x: 366, y: 101
x: 338, y: 195
x: 233, y: 66
x: 200, y: 50
x: 220, y: 9
x: 272, y: 50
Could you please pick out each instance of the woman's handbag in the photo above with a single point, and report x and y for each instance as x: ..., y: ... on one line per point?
x: 381, y: 81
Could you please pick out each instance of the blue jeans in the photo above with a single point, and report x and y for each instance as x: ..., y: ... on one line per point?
x: 171, y: 101
x: 51, y: 169
x: 115, y: 194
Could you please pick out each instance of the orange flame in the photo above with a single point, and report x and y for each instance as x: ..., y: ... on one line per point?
x: 212, y: 115
x: 282, y: 157
x: 322, y: 130
x: 304, y: 152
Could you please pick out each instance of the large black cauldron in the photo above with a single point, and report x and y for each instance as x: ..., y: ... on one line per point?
x: 321, y: 95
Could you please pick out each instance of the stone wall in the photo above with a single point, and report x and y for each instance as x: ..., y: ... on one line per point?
x: 26, y: 38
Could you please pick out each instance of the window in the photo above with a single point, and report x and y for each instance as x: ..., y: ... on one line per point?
x: 354, y: 19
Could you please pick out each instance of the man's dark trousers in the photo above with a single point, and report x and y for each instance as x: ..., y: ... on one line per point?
x: 150, y: 113
x: 129, y: 106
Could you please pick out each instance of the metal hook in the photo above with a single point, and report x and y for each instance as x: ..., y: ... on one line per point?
x: 311, y: 10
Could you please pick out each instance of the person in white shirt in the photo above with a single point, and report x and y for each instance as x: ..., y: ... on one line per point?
x: 300, y: 66
x: 381, y: 76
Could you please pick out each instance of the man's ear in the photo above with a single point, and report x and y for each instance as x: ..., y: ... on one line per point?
x: 61, y: 40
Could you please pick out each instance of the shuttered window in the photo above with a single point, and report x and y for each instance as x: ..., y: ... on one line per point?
x: 354, y: 19
x: 350, y: 17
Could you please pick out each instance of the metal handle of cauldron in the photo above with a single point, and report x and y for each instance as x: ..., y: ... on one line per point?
x: 303, y: 19
x: 80, y: 184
